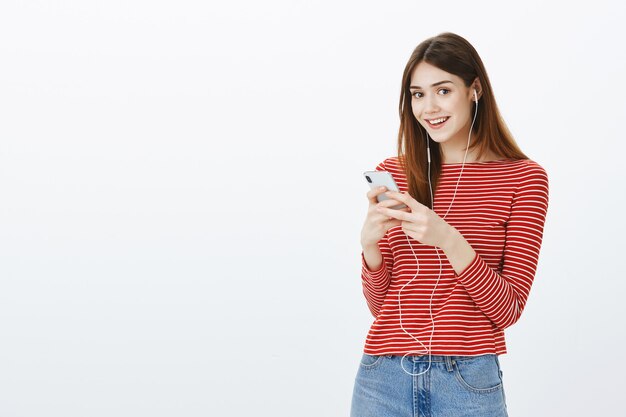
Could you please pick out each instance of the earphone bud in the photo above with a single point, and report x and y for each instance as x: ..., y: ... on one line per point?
x: 475, y: 96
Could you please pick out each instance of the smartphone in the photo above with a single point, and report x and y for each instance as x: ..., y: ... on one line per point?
x: 382, y: 178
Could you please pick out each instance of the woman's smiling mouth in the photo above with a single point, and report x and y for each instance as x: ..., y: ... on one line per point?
x: 439, y: 122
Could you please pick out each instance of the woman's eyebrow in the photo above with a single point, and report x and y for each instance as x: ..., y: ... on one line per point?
x: 433, y: 85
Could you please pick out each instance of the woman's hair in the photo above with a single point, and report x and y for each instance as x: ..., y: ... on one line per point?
x: 453, y: 54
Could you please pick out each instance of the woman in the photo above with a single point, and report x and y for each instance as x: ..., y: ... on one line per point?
x: 445, y: 276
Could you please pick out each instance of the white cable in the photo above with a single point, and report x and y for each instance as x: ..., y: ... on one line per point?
x: 432, y: 200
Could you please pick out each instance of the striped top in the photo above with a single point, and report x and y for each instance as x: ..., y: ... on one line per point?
x: 500, y: 209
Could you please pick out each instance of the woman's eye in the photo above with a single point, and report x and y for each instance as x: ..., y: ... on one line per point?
x: 441, y: 89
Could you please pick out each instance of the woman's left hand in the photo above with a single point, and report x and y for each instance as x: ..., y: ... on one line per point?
x: 422, y: 223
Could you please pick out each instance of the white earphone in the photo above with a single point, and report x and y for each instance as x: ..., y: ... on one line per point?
x: 432, y: 200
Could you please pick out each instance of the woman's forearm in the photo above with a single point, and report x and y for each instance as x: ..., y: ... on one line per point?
x: 373, y: 257
x: 456, y: 248
x: 459, y: 252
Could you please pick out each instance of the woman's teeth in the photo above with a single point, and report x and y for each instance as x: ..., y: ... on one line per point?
x: 436, y: 123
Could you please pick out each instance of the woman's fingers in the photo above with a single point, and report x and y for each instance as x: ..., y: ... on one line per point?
x: 401, y: 214
x: 392, y: 222
x: 371, y: 194
x: 389, y: 203
x: 406, y: 199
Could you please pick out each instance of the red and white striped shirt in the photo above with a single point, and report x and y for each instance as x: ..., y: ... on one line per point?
x: 500, y: 209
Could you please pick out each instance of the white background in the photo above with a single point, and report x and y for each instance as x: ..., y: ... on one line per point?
x: 181, y: 198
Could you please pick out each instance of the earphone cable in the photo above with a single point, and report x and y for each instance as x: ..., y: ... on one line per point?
x: 428, y: 350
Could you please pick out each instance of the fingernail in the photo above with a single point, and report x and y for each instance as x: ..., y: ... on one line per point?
x: 381, y: 188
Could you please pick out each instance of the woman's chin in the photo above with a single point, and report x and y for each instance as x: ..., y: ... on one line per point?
x: 437, y: 137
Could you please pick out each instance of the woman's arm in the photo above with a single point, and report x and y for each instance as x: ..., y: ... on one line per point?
x: 373, y: 257
x: 458, y: 250
x: 376, y: 267
x: 376, y: 281
x: 502, y: 296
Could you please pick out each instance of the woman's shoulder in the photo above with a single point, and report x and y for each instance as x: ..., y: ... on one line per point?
x: 389, y: 164
x: 530, y: 178
x: 532, y: 168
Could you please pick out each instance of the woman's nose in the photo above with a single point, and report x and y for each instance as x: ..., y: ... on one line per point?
x: 430, y: 105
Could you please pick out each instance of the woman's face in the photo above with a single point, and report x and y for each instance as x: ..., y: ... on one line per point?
x: 437, y: 93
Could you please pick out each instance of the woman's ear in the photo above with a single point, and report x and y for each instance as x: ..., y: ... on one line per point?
x: 476, y: 87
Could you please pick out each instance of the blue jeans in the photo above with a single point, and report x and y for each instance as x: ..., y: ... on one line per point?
x: 453, y: 386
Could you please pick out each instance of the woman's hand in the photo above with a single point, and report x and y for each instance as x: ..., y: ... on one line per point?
x: 421, y: 223
x: 377, y: 223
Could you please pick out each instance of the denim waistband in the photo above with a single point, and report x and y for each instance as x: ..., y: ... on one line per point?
x: 435, y: 358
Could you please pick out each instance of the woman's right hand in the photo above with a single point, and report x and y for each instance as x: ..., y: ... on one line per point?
x: 377, y: 224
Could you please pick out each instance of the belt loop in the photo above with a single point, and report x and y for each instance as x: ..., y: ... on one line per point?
x: 449, y: 362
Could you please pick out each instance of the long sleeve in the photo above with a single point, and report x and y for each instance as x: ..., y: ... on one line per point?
x: 502, y: 296
x: 376, y: 283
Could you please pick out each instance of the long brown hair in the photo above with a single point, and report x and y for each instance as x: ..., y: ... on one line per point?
x: 451, y: 53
